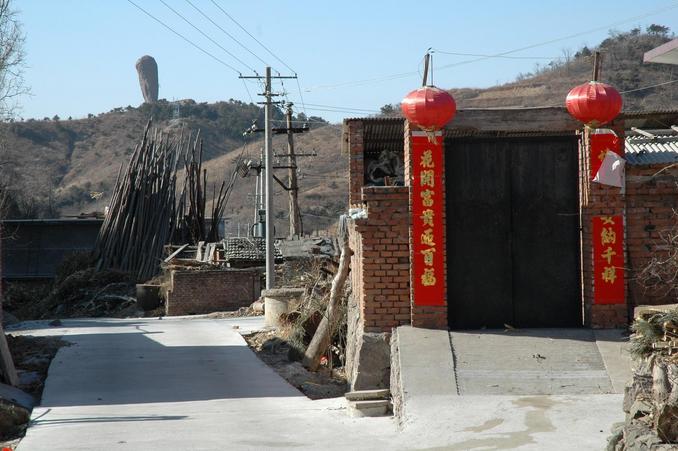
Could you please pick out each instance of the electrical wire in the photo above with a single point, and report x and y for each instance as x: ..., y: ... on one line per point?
x: 301, y: 96
x: 207, y: 36
x: 341, y: 111
x: 550, y: 58
x: 186, y: 39
x: 226, y: 32
x: 649, y: 87
x: 343, y: 108
x: 248, y: 90
x: 251, y: 36
x: 497, y: 55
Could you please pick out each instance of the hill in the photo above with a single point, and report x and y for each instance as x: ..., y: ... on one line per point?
x: 54, y: 166
x: 57, y: 165
x: 622, y: 67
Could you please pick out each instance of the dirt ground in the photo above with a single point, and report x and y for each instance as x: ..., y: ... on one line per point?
x: 275, y: 352
x: 32, y: 357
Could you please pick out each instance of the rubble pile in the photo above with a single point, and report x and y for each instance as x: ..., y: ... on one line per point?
x: 651, y: 398
x: 85, y: 293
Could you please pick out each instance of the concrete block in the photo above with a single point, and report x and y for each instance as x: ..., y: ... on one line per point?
x: 373, y: 364
x: 365, y: 395
x: 377, y: 408
x: 278, y: 301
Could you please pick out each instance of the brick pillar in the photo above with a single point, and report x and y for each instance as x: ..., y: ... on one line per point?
x: 381, y: 263
x: 430, y: 317
x: 602, y: 200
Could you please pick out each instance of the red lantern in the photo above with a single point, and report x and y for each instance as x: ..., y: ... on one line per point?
x: 429, y: 108
x: 594, y: 103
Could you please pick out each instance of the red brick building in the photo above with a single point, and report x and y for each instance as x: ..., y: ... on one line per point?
x: 517, y: 219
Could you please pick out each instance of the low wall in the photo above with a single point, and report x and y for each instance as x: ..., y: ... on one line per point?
x: 199, y: 292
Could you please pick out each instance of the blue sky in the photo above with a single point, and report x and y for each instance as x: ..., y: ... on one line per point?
x: 81, y: 53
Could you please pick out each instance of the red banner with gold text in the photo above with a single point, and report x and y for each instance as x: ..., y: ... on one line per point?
x: 428, y: 272
x: 608, y: 260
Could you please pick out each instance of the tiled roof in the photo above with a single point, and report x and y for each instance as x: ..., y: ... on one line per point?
x: 643, y: 150
x: 247, y: 249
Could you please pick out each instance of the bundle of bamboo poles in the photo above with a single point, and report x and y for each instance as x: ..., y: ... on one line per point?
x: 191, y: 224
x: 145, y: 213
x: 141, y: 213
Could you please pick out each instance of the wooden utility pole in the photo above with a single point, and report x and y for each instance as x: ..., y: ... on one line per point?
x: 427, y: 61
x: 296, y: 225
x: 268, y: 169
x: 597, y: 63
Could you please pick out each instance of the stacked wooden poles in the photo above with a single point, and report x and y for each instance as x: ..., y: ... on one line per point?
x: 142, y: 209
x: 145, y: 213
x: 192, y: 226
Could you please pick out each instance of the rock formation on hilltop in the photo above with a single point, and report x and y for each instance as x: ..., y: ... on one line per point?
x: 147, y: 69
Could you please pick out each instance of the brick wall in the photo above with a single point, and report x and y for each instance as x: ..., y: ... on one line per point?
x: 199, y: 292
x: 651, y: 197
x: 647, y: 207
x: 381, y: 259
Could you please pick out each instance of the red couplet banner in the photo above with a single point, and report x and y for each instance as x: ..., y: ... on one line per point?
x: 428, y: 272
x: 608, y: 260
x: 601, y: 140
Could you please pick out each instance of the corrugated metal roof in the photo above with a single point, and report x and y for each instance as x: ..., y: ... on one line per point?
x: 643, y: 150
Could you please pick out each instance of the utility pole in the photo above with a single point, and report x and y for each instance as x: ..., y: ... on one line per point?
x: 296, y: 225
x: 268, y: 168
x: 597, y: 63
x: 292, y: 187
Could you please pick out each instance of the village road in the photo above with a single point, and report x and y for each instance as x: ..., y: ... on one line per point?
x: 181, y: 384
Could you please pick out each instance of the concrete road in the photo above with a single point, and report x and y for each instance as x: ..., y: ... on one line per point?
x: 192, y: 384
x: 181, y: 384
x: 527, y: 390
x: 537, y: 361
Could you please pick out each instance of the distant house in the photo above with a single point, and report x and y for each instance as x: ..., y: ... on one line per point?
x: 665, y: 53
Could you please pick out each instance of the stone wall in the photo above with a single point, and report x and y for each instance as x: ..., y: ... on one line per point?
x: 651, y: 397
x: 199, y: 292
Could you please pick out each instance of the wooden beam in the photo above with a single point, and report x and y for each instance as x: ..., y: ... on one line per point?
x: 175, y: 253
x: 6, y: 362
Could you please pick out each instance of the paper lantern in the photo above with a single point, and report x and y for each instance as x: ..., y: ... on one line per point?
x: 594, y: 103
x: 429, y: 108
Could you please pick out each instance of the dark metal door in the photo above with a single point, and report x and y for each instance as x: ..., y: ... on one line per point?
x: 512, y: 232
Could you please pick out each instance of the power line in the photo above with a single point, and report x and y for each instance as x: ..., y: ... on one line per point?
x: 185, y: 38
x: 251, y: 36
x: 226, y: 32
x: 301, y: 96
x: 342, y: 107
x: 497, y: 55
x: 649, y: 87
x: 502, y: 56
x: 207, y: 36
x: 248, y: 91
x: 342, y: 111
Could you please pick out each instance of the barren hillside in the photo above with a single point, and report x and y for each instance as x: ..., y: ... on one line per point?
x: 622, y: 67
x: 55, y: 166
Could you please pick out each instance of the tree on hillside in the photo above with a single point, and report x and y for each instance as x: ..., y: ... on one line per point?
x: 11, y: 60
x: 11, y: 88
x: 659, y: 30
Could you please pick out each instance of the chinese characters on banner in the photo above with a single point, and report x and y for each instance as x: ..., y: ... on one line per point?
x: 608, y: 260
x: 428, y: 275
x: 601, y: 140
